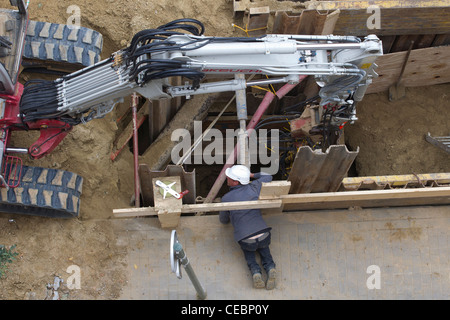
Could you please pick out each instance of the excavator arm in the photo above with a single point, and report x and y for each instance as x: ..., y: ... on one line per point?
x: 342, y: 66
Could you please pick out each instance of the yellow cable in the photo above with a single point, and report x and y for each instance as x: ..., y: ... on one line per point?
x: 265, y: 144
x: 246, y: 30
x: 257, y: 87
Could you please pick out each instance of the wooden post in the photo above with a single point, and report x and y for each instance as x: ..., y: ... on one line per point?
x: 168, y: 209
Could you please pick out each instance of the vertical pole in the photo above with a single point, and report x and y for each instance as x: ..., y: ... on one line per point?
x: 241, y: 108
x: 134, y: 103
x: 250, y: 127
x: 179, y: 252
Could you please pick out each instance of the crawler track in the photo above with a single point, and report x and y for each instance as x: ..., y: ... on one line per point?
x: 44, y: 192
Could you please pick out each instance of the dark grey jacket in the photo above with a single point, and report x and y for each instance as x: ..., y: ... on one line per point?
x: 246, y: 223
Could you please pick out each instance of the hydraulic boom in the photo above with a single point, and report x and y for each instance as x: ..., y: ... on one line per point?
x: 343, y: 67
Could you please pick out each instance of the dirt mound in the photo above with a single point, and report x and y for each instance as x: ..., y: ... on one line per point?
x: 48, y: 247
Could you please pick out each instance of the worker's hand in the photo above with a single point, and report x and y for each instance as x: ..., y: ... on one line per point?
x: 251, y: 175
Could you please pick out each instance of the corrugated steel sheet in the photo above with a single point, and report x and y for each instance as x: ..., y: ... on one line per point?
x: 317, y: 171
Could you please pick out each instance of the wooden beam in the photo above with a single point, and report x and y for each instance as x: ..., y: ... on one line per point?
x: 367, y: 199
x: 397, y: 17
x: 202, y: 207
x: 428, y: 66
x: 316, y: 201
x: 394, y: 21
x: 366, y: 195
x: 308, y: 22
x: 168, y: 209
x: 358, y: 4
x: 274, y: 189
x: 257, y: 20
x: 396, y: 181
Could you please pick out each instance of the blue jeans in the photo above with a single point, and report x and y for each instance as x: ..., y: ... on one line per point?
x: 262, y: 247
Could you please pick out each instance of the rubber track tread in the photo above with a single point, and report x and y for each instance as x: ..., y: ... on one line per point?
x: 61, y: 43
x: 44, y: 192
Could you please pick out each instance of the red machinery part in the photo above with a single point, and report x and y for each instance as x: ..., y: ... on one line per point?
x: 52, y: 132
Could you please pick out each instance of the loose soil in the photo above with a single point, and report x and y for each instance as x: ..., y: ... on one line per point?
x: 390, y: 137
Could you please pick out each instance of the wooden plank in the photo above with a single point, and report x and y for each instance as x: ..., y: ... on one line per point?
x: 240, y: 6
x: 359, y: 4
x: 395, y: 181
x: 238, y: 205
x: 310, y: 22
x: 441, y: 40
x: 168, y: 209
x: 274, y: 189
x: 203, y: 207
x: 428, y: 66
x: 257, y: 20
x: 368, y: 195
x: 309, y: 201
x: 367, y: 199
x: 395, y: 21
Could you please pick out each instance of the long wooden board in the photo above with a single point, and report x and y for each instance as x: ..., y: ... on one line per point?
x: 428, y: 66
x: 202, y: 207
x: 315, y: 201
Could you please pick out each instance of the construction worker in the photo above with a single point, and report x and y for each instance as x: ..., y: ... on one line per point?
x: 250, y: 230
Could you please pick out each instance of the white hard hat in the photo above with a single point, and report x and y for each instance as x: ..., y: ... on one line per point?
x: 238, y: 172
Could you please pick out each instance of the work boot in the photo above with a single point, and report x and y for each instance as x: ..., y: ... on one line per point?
x: 258, y: 282
x: 270, y: 284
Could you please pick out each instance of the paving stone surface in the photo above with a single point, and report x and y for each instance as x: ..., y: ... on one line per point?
x: 382, y: 253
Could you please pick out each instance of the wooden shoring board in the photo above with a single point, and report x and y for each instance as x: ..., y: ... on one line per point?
x: 396, y: 17
x: 167, y: 208
x: 317, y: 201
x: 245, y: 5
x: 395, y: 181
x: 257, y: 20
x: 202, y: 207
x: 367, y: 199
x: 385, y: 4
x: 428, y: 66
x: 308, y: 22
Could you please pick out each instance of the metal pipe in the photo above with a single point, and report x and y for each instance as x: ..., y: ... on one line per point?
x: 329, y: 46
x: 17, y: 150
x: 181, y: 255
x: 250, y: 127
x: 265, y: 82
x: 134, y: 103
